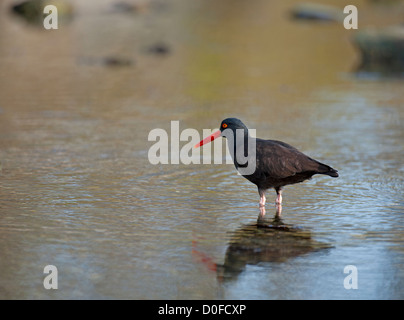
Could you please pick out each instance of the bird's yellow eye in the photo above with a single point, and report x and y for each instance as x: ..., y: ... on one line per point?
x: 224, y: 125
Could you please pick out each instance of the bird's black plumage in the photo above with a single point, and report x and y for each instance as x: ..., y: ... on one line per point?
x: 277, y: 163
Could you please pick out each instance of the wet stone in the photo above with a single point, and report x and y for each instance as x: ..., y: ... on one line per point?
x: 317, y: 12
x: 381, y: 49
x: 159, y: 49
x: 33, y: 11
x: 109, y: 61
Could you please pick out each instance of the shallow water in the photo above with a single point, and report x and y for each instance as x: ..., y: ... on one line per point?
x: 77, y: 189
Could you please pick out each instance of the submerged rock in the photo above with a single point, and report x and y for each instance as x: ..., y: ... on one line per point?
x: 125, y: 7
x: 382, y: 49
x: 317, y: 12
x: 109, y: 61
x: 33, y: 11
x: 117, y: 62
x: 159, y: 49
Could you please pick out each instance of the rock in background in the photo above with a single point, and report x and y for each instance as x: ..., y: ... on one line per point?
x: 33, y: 11
x: 382, y: 49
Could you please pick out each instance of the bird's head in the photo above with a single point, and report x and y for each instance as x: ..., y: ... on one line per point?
x: 232, y: 124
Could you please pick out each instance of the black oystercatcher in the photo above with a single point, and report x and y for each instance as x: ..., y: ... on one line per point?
x: 277, y: 163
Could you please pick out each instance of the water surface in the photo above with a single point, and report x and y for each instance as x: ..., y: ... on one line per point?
x: 77, y: 190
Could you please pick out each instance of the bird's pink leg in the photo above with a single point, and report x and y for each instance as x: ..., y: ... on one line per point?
x: 262, y: 202
x: 262, y: 198
x: 278, y: 196
x: 278, y: 210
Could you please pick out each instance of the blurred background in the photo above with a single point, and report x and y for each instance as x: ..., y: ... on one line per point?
x: 77, y: 190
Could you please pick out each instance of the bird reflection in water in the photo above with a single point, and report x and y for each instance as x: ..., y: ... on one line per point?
x: 269, y: 240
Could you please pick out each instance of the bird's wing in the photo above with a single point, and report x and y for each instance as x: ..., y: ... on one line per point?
x: 279, y: 160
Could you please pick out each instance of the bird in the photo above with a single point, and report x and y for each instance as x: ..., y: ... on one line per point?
x: 275, y: 163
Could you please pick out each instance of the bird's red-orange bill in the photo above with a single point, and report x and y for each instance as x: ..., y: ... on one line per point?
x: 212, y: 137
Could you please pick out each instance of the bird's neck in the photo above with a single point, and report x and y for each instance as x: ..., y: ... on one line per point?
x: 241, y: 147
